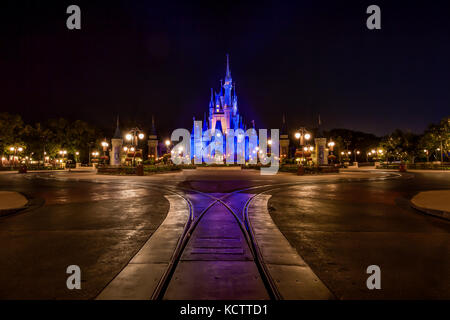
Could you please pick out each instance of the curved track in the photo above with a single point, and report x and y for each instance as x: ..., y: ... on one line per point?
x: 246, y: 232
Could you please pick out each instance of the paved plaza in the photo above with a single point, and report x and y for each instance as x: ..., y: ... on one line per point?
x: 312, y: 236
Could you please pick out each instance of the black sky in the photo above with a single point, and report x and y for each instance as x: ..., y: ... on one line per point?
x: 302, y: 58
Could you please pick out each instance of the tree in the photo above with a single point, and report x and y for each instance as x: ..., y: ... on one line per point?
x: 436, y: 140
x: 11, y: 130
x: 399, y: 146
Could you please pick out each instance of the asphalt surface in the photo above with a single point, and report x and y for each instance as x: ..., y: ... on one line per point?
x: 339, y: 224
x: 342, y: 228
x: 97, y: 226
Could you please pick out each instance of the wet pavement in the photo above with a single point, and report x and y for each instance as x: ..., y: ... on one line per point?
x: 339, y: 224
x: 342, y: 228
x: 98, y: 227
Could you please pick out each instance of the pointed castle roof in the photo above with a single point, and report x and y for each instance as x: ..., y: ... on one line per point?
x: 117, y: 133
x: 153, y: 129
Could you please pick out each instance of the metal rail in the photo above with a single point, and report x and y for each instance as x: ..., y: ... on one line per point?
x: 269, y: 284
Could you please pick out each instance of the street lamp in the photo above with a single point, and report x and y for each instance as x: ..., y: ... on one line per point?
x: 15, y: 150
x: 134, y: 136
x: 357, y: 152
x: 105, y: 147
x: 301, y: 135
x: 331, y: 145
x: 167, y: 142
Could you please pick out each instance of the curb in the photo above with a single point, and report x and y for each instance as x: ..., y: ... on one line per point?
x: 32, y: 203
x: 435, y: 213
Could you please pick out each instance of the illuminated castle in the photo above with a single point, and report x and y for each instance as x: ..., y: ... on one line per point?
x: 223, y: 106
x: 223, y: 109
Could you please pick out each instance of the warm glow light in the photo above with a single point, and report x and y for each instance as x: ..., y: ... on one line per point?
x: 373, y: 151
x: 141, y: 136
x: 311, y: 148
x: 307, y: 136
x: 342, y: 152
x: 128, y: 136
x: 357, y: 152
x: 331, y: 144
x: 11, y: 149
x: 167, y: 142
x: 77, y: 153
x: 20, y: 149
x: 305, y: 148
x: 132, y: 149
x: 349, y: 152
x: 104, y: 144
x: 269, y: 142
x: 297, y: 135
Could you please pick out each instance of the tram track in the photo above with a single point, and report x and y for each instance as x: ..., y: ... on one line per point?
x: 191, y: 228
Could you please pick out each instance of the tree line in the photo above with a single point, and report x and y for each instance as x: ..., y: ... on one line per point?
x: 432, y: 145
x: 47, y: 138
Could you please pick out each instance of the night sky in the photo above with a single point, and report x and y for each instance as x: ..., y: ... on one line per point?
x: 301, y: 58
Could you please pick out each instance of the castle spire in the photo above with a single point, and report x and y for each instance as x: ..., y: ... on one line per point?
x: 117, y: 134
x: 228, y: 75
x: 228, y: 85
x: 153, y: 130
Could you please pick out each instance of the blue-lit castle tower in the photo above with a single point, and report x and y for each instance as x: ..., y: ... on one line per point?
x: 223, y: 110
x: 223, y: 106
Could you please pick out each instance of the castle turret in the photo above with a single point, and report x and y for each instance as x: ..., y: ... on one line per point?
x: 153, y: 142
x: 284, y: 139
x: 228, y: 85
x: 116, y: 146
x: 211, y: 104
x: 235, y: 102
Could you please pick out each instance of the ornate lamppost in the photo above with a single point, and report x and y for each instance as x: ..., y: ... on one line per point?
x: 133, y: 137
x: 302, y: 135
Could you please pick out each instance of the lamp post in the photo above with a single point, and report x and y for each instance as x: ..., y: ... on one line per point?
x: 302, y: 135
x: 62, y: 153
x: 167, y: 142
x: 134, y: 136
x: 356, y: 152
x: 105, y: 147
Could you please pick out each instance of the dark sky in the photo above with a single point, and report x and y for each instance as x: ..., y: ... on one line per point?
x: 302, y: 58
